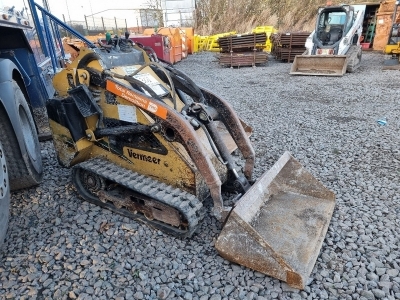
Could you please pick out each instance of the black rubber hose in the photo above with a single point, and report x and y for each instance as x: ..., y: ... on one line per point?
x: 190, y: 82
x: 179, y: 84
x: 138, y: 83
x: 142, y: 85
x: 165, y: 72
x: 182, y: 96
x: 120, y: 130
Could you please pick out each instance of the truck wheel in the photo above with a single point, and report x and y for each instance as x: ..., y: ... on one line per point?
x: 4, y: 195
x: 24, y: 170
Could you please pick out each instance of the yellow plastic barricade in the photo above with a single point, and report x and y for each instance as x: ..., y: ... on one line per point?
x: 269, y: 30
x: 212, y: 42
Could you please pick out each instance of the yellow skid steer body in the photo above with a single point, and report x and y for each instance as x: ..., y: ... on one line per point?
x: 319, y: 65
x: 278, y: 226
x: 155, y: 159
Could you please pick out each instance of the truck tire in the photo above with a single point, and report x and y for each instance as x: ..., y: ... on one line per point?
x: 4, y: 195
x: 24, y: 170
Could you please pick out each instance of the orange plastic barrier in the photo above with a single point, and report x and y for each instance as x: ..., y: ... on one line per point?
x: 189, y: 31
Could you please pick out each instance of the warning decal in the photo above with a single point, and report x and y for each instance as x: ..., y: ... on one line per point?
x: 136, y: 99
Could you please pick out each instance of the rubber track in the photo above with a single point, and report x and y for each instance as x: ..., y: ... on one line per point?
x: 187, y: 204
x: 352, y: 57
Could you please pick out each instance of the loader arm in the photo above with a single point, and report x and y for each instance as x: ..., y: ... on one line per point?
x: 169, y: 119
x: 235, y: 128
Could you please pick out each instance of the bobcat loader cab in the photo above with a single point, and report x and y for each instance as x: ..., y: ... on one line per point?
x: 334, y: 46
x: 333, y: 24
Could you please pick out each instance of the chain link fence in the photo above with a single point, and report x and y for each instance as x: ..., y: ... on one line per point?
x: 140, y: 20
x: 98, y: 25
x: 151, y: 17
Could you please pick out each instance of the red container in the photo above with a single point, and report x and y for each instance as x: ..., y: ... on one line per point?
x: 174, y: 39
x: 365, y: 46
x: 159, y: 43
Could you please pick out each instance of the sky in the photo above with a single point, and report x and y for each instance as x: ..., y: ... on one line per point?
x: 75, y: 10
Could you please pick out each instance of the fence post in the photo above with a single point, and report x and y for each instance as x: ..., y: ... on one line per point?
x: 87, y: 27
x: 66, y: 32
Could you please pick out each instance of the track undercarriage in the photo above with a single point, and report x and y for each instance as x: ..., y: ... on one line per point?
x: 138, y: 197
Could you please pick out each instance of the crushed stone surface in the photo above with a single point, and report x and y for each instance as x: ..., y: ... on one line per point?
x: 56, y: 246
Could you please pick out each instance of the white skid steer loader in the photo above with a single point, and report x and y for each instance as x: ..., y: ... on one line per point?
x: 334, y: 46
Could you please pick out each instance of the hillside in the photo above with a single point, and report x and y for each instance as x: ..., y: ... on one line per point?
x: 215, y: 16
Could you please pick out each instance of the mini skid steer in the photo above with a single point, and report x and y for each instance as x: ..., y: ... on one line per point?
x: 145, y: 141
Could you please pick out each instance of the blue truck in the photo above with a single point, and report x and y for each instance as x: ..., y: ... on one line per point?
x: 30, y: 54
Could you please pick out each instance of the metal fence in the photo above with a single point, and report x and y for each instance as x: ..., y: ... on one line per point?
x: 96, y: 25
x: 151, y: 17
x: 140, y: 19
x: 99, y: 25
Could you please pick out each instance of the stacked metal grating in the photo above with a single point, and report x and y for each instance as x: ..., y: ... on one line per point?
x: 285, y: 46
x: 241, y: 50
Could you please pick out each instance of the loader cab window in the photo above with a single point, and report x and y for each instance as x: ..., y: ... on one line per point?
x: 331, y: 27
x: 350, y: 21
x: 337, y: 18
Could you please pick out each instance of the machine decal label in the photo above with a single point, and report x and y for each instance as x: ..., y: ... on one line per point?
x: 144, y: 157
x: 136, y: 99
x: 146, y: 79
x: 151, y: 82
x: 127, y: 113
x: 152, y: 107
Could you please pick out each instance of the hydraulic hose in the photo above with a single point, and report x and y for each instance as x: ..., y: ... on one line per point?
x: 171, y: 83
x: 189, y: 81
x: 134, y: 81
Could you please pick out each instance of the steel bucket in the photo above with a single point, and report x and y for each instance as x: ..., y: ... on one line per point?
x: 278, y: 226
x: 319, y: 65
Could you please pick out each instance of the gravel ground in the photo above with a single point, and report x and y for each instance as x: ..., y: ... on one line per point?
x: 59, y: 247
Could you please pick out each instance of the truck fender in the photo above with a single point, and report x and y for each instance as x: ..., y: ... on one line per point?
x: 14, y: 102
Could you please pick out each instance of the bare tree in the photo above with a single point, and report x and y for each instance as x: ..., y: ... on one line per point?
x: 155, y: 5
x: 217, y: 16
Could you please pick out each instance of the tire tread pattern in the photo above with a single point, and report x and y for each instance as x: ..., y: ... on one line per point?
x: 20, y: 175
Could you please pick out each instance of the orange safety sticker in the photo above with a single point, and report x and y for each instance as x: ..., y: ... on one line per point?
x: 136, y: 99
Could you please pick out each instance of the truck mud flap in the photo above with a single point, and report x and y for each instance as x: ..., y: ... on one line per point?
x: 278, y: 226
x: 319, y: 65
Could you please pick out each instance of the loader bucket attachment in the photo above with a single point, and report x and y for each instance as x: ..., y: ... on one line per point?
x: 278, y: 226
x: 319, y: 65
